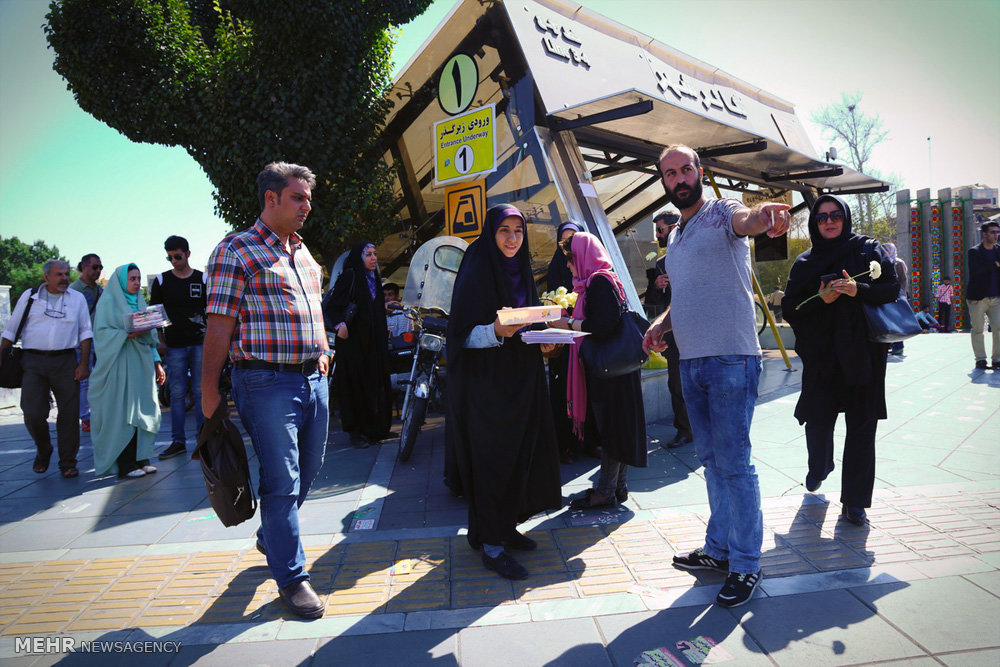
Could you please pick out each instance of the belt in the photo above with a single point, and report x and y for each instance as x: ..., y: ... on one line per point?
x: 307, y: 367
x: 49, y: 353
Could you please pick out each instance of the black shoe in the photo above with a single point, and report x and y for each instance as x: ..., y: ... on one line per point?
x: 995, y: 366
x: 981, y: 364
x: 621, y: 495
x: 302, y: 599
x: 260, y: 547
x: 589, y: 501
x: 812, y: 484
x: 359, y: 441
x: 699, y: 560
x: 176, y: 448
x: 505, y: 566
x: 520, y: 542
x: 679, y: 440
x: 738, y: 589
x: 855, y: 515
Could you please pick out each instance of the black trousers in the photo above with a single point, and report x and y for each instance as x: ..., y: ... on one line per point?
x: 673, y: 356
x: 858, y: 474
x: 126, y: 460
x: 944, y: 315
x: 569, y: 444
x: 41, y: 374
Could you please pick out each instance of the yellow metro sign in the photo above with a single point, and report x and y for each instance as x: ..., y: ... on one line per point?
x: 465, y: 146
x: 465, y: 209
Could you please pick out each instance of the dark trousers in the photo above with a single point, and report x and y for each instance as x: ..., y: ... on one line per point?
x: 126, y: 460
x: 944, y: 315
x: 858, y: 474
x: 681, y: 421
x: 43, y: 374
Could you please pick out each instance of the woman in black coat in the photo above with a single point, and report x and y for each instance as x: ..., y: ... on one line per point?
x: 558, y: 276
x: 356, y: 310
x: 612, y: 407
x: 842, y: 371
x: 499, y: 426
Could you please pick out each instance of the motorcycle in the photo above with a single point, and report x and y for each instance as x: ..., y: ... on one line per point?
x: 424, y: 383
x: 427, y: 300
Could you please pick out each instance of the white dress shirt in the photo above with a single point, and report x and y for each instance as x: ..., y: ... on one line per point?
x: 69, y: 326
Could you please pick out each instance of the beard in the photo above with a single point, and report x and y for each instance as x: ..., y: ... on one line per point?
x: 662, y: 242
x: 687, y: 200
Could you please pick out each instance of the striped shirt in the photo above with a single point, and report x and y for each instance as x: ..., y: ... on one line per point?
x: 274, y: 295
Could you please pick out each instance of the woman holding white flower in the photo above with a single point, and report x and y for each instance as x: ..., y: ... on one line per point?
x: 842, y: 371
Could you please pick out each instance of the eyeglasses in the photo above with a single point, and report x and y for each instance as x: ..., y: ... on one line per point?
x: 97, y: 267
x: 175, y: 258
x: 836, y: 216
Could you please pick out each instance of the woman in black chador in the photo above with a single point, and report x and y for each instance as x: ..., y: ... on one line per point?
x: 558, y: 276
x: 842, y: 371
x: 356, y: 310
x: 499, y: 426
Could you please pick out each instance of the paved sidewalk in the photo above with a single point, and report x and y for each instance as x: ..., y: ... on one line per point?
x: 146, y: 559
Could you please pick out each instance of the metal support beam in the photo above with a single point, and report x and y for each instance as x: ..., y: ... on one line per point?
x: 626, y: 111
x: 801, y: 175
x: 860, y: 191
x: 751, y: 146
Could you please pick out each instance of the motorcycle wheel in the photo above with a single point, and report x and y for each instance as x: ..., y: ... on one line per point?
x: 412, y: 422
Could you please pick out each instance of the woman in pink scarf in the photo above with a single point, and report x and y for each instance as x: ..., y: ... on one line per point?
x: 611, y: 407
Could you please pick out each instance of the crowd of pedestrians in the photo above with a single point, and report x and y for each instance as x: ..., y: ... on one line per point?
x: 259, y: 306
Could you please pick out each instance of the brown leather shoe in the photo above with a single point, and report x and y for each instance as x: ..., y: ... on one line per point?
x: 302, y: 599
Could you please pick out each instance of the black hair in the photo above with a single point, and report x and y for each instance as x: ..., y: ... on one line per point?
x: 86, y: 260
x: 392, y: 286
x: 176, y: 243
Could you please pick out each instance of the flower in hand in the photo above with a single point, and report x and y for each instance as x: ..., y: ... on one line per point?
x: 874, y: 268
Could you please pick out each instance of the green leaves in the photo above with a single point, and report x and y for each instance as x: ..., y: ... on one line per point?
x: 240, y: 83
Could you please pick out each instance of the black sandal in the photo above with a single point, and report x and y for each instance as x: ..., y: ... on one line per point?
x: 39, y: 466
x: 586, y: 501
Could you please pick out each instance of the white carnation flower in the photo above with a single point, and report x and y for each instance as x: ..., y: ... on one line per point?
x: 875, y: 269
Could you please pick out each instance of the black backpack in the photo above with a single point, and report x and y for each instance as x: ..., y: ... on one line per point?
x: 223, y: 458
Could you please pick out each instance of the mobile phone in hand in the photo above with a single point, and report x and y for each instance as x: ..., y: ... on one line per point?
x: 828, y: 277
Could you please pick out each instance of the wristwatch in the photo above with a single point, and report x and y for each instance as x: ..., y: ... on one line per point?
x: 570, y: 322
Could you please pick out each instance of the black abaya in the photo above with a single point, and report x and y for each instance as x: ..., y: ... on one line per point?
x: 364, y: 392
x: 499, y: 433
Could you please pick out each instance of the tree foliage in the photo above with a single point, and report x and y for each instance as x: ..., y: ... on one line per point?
x: 856, y: 134
x: 21, y: 265
x: 240, y: 83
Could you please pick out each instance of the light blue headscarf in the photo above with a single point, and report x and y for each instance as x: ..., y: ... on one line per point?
x: 131, y: 299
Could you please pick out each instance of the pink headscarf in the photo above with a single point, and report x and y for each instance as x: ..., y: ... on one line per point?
x: 590, y: 259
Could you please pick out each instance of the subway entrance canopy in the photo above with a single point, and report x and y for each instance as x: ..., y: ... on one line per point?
x: 583, y: 107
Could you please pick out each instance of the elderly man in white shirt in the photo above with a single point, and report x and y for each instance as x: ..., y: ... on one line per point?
x: 58, y: 322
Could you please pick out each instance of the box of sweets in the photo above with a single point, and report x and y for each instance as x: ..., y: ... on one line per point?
x: 144, y: 320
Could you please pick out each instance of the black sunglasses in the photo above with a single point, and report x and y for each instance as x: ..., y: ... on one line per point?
x: 178, y: 257
x: 836, y: 216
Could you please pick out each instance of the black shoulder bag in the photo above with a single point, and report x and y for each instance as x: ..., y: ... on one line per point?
x: 11, y: 372
x: 889, y: 322
x: 618, y: 354
x: 223, y: 458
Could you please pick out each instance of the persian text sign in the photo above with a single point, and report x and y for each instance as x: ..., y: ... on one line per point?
x: 465, y: 146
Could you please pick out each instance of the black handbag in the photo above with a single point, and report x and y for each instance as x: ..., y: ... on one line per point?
x: 223, y: 458
x: 889, y: 322
x: 11, y: 371
x: 620, y: 353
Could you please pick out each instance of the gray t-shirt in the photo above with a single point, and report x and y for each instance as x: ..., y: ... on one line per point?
x: 709, y: 267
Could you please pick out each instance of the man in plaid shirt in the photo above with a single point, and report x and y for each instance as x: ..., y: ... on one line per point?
x: 264, y: 294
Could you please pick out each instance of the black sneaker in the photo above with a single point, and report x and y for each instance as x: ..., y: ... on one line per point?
x: 995, y: 366
x: 176, y: 448
x: 738, y: 589
x: 699, y: 560
x: 981, y: 364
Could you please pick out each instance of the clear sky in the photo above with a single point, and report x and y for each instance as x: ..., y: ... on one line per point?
x: 926, y: 67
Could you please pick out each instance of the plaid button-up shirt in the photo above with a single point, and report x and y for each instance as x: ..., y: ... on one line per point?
x: 274, y: 296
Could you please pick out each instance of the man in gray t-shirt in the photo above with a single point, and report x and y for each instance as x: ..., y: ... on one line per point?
x: 711, y: 315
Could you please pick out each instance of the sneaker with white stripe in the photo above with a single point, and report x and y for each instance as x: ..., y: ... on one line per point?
x: 738, y: 589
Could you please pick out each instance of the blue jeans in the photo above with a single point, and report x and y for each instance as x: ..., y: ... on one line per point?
x: 179, y: 361
x: 720, y: 393
x: 287, y: 417
x: 85, y: 384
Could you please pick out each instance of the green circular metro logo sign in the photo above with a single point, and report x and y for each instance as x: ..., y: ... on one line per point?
x: 458, y: 84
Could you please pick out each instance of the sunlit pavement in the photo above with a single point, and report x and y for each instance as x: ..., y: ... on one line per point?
x: 146, y: 560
